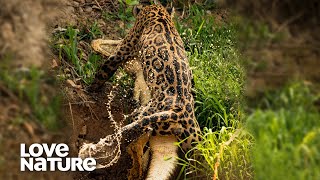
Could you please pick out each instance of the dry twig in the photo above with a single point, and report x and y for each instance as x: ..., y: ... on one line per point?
x: 98, y: 4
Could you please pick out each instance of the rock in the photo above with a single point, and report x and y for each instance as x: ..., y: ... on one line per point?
x: 96, y: 7
x: 88, y: 9
x: 69, y: 10
x: 80, y: 10
x: 75, y: 4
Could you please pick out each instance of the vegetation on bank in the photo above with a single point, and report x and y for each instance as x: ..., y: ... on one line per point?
x: 219, y: 78
x: 287, y: 135
x: 276, y: 136
x: 33, y: 87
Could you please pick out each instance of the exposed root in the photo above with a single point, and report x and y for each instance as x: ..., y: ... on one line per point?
x: 70, y: 108
x: 103, y: 151
x: 107, y: 151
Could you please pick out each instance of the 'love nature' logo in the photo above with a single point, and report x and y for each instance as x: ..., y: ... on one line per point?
x: 44, y: 157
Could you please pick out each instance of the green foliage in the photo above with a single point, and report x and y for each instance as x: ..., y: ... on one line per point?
x: 129, y: 2
x: 27, y: 85
x: 218, y: 75
x: 123, y: 79
x: 91, y: 32
x: 257, y: 34
x: 224, y: 154
x: 109, y: 16
x: 291, y: 96
x: 287, y: 136
x: 124, y: 14
x: 84, y: 68
x: 219, y: 80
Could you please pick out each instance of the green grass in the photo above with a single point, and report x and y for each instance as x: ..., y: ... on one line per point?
x: 224, y: 154
x: 278, y: 139
x: 29, y: 85
x: 287, y: 135
x: 219, y: 81
x: 294, y: 95
x: 125, y: 10
x: 90, y: 32
x: 216, y: 64
x: 123, y: 14
x: 84, y: 64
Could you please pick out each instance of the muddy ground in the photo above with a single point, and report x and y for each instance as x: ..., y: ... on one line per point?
x: 30, y: 24
x: 25, y: 29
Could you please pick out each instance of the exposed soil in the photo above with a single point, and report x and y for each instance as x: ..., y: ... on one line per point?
x: 29, y: 24
x: 90, y: 121
x: 23, y: 44
x: 14, y: 131
x: 87, y: 113
x: 280, y: 64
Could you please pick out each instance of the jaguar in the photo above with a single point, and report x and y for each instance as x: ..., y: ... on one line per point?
x: 157, y: 45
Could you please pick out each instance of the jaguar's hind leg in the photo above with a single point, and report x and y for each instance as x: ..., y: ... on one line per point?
x: 109, y: 67
x: 133, y: 67
x: 135, y: 149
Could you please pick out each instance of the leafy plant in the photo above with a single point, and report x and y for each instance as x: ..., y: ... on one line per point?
x: 287, y: 136
x: 293, y: 95
x: 219, y: 78
x: 129, y: 2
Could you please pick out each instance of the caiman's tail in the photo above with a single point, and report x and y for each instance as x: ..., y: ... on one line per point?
x: 164, y: 153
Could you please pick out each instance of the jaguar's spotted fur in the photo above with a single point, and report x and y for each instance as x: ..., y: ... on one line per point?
x: 157, y: 44
x: 159, y: 160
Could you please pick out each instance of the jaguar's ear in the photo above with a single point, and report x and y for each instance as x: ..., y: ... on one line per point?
x: 171, y: 11
x: 136, y: 10
x: 156, y: 2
